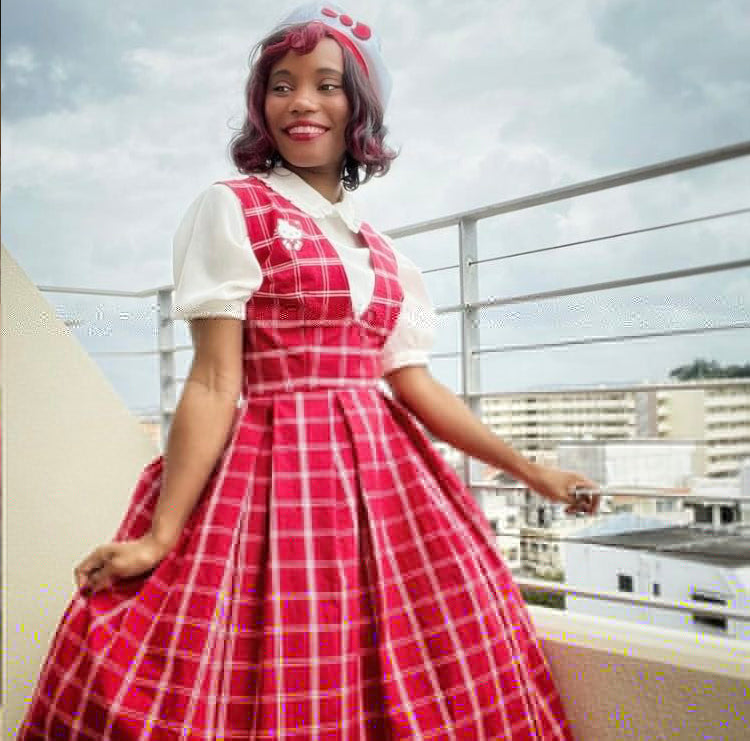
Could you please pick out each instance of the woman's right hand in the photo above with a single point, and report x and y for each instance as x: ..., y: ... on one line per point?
x: 118, y: 560
x: 560, y: 486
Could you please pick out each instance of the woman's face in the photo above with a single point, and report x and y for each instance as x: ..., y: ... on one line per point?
x: 309, y: 89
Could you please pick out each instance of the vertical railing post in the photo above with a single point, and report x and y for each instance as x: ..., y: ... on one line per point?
x: 469, y: 285
x: 167, y: 382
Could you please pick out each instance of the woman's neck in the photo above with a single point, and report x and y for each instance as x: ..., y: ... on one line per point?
x: 326, y: 182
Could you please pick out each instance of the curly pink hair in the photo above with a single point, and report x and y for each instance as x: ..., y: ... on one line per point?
x: 252, y: 148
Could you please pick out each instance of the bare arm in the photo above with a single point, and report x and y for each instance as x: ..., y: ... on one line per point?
x: 202, y: 422
x: 447, y: 417
x: 198, y: 436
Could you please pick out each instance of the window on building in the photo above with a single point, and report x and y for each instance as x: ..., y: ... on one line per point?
x: 703, y: 513
x: 712, y: 621
x: 624, y: 583
x: 728, y: 515
x: 657, y: 589
x: 622, y: 508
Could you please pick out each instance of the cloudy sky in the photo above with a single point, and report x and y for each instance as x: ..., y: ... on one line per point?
x: 116, y: 115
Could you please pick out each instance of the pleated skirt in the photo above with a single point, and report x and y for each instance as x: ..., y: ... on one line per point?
x: 336, y: 581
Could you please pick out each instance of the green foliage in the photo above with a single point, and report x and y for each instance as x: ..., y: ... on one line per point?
x: 545, y: 599
x: 701, y: 368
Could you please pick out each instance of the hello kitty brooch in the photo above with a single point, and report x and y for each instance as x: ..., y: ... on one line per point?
x: 289, y: 234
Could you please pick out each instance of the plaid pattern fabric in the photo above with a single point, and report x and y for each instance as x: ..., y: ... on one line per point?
x: 335, y: 581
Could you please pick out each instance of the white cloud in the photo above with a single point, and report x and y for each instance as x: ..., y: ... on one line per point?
x: 126, y: 118
x: 21, y: 59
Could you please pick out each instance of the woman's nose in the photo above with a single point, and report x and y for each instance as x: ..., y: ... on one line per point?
x: 303, y: 100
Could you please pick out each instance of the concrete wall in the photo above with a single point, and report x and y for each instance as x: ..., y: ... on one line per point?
x: 627, y: 682
x: 71, y: 453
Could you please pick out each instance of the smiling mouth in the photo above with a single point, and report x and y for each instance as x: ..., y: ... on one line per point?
x: 305, y: 128
x: 304, y: 133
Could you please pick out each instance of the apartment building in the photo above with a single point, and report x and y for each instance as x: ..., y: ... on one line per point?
x: 502, y: 507
x: 527, y: 420
x: 717, y: 416
x: 719, y: 413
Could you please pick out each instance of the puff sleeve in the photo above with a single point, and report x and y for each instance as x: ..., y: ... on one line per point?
x: 215, y: 269
x: 414, y: 335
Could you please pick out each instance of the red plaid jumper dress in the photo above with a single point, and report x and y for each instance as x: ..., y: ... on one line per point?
x: 335, y: 581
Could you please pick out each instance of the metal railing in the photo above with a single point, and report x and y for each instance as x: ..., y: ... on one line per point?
x: 470, y: 303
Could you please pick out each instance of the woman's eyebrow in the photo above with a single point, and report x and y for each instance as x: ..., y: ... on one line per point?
x: 320, y: 70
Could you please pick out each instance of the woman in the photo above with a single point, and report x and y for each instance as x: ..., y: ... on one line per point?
x: 306, y: 566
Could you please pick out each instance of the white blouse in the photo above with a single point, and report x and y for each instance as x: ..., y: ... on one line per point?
x: 216, y: 270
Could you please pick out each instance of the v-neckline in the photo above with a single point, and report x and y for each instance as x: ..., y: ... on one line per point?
x: 374, y: 265
x: 323, y: 238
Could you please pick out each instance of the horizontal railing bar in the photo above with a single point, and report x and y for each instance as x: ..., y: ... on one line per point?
x: 523, y: 534
x: 695, y: 607
x: 628, y: 494
x: 97, y: 291
x: 618, y: 489
x: 555, y: 535
x: 539, y: 557
x: 614, y: 235
x: 582, y: 442
x: 594, y: 287
x: 155, y: 351
x: 613, y: 490
x: 120, y: 353
x: 591, y: 441
x: 622, y: 492
x: 596, y: 340
x: 667, y: 167
x: 590, y: 240
x: 613, y: 338
x: 676, y: 386
x: 146, y: 292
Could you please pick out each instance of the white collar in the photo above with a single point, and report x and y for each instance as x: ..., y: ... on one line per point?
x: 295, y: 189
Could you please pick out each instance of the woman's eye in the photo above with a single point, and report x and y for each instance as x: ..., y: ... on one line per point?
x: 326, y: 87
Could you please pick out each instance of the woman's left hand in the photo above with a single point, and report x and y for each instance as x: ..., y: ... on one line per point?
x: 118, y: 560
x: 560, y: 486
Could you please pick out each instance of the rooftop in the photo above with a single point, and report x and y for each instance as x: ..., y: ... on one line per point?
x: 727, y: 547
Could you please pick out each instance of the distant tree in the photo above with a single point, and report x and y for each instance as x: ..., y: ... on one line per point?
x: 701, y: 368
x: 544, y: 598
